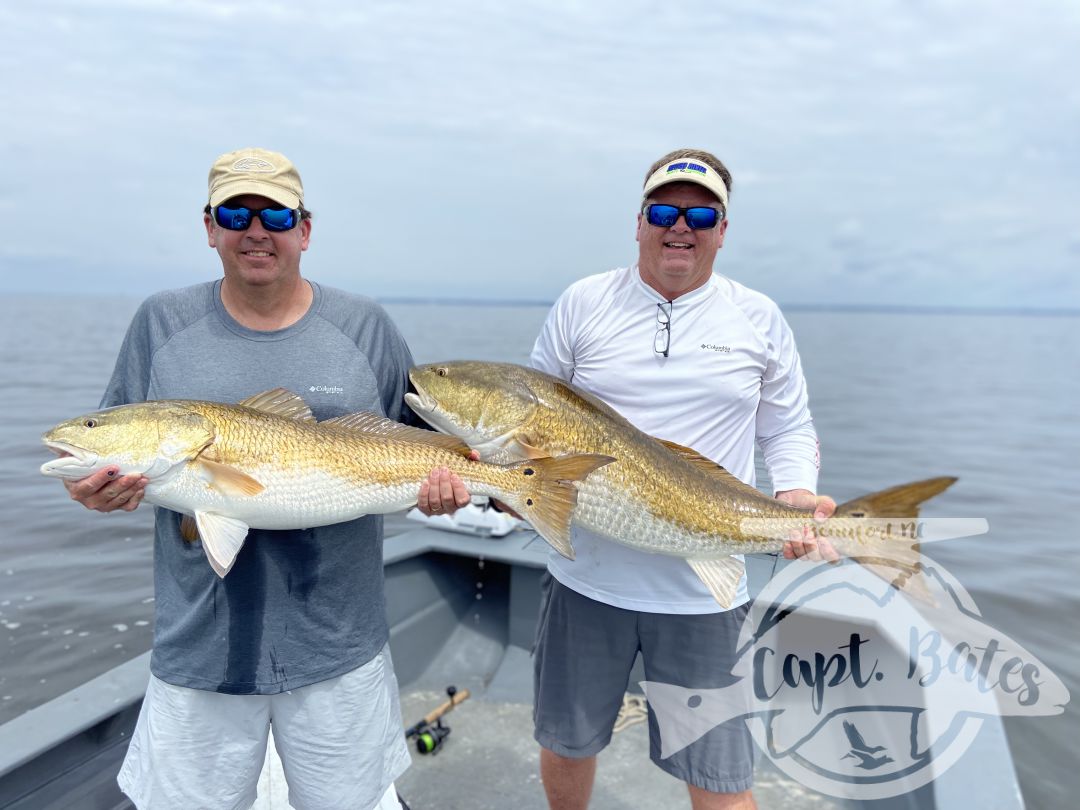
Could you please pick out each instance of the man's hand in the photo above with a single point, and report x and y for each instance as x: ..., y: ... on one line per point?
x: 804, y: 544
x: 443, y: 493
x: 104, y: 492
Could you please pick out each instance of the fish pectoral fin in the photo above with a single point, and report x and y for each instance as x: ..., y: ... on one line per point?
x: 227, y: 479
x: 222, y: 538
x: 526, y: 447
x: 280, y: 402
x: 721, y: 577
x: 371, y: 424
x: 189, y: 529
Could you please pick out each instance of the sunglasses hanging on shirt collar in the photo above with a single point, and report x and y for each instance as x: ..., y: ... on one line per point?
x: 662, y: 339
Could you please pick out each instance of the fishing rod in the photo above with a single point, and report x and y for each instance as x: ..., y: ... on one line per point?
x: 429, y: 738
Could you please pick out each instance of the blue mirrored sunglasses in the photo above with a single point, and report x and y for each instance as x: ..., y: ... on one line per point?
x: 697, y: 218
x: 239, y: 217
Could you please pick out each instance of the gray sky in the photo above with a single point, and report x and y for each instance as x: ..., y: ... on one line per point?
x: 911, y: 153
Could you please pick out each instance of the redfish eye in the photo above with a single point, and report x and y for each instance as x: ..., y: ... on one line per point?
x: 90, y: 423
x: 442, y: 371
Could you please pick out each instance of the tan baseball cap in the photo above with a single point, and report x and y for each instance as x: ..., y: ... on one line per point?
x: 256, y: 171
x: 688, y: 170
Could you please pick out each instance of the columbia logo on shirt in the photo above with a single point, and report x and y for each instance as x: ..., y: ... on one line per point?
x: 326, y: 389
x: 712, y: 347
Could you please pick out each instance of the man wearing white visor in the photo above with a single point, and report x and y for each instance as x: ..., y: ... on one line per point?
x: 701, y: 360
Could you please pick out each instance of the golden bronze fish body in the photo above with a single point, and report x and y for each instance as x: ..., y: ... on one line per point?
x: 656, y: 496
x: 266, y: 463
x: 650, y: 497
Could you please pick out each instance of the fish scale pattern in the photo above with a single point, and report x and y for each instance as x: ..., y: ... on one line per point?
x: 315, y: 474
x: 651, y: 498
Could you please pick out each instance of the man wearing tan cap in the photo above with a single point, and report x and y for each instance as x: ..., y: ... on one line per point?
x: 698, y: 359
x: 296, y: 634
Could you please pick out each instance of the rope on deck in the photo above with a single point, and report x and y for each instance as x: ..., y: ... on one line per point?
x: 632, y: 712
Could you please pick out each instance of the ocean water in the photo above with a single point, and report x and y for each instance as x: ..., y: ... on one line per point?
x: 896, y: 397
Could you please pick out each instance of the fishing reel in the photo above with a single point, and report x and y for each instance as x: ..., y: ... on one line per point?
x: 430, y: 740
x: 430, y: 733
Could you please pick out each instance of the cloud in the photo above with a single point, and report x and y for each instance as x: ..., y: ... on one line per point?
x: 503, y: 145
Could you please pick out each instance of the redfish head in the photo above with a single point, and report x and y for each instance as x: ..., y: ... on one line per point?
x: 148, y: 439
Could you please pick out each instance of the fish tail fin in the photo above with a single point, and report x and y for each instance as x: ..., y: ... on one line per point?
x: 899, y: 501
x: 549, y: 494
x: 893, y: 556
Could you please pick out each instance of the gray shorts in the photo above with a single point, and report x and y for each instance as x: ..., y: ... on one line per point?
x: 582, y: 660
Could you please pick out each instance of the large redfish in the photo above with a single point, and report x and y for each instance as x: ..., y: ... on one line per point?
x: 267, y: 464
x: 656, y: 496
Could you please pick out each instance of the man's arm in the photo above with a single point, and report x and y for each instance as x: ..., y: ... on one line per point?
x: 789, y: 442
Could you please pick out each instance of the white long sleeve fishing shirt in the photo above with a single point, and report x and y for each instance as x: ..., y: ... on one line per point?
x: 732, y: 378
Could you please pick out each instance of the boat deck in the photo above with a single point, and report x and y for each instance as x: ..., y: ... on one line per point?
x: 490, y: 762
x: 462, y: 612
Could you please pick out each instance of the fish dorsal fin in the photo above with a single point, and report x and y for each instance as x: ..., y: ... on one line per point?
x: 371, y: 424
x: 222, y: 538
x: 280, y: 402
x: 189, y: 529
x: 721, y: 577
x: 227, y: 480
x: 707, y: 466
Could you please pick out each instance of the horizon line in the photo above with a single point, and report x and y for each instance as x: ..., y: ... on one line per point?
x: 887, y: 309
x: 923, y: 309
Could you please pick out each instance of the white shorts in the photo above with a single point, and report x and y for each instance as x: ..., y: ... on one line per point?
x: 341, y: 744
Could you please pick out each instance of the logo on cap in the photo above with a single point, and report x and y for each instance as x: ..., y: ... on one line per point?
x: 253, y: 164
x: 687, y: 167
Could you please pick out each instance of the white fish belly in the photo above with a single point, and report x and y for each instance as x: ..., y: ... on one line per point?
x: 606, y: 509
x: 288, y: 501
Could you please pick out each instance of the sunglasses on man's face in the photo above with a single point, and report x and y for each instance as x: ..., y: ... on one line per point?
x: 698, y: 218
x: 239, y: 217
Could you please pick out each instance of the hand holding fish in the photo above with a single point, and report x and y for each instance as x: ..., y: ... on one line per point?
x: 804, y: 543
x: 443, y: 492
x: 104, y: 492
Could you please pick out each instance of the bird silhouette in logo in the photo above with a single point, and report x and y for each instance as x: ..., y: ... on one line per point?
x: 863, y: 752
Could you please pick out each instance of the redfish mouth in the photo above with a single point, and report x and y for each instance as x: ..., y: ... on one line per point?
x: 64, y: 449
x: 427, y: 408
x: 72, y: 462
x: 420, y: 401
